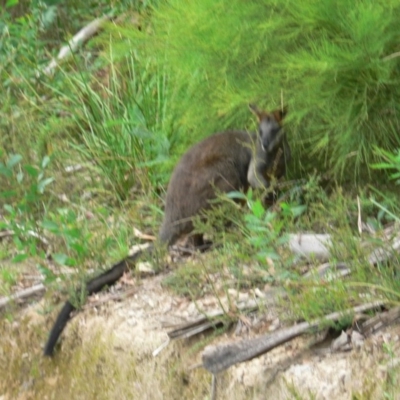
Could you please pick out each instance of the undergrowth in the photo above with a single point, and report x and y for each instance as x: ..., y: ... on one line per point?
x: 86, y: 154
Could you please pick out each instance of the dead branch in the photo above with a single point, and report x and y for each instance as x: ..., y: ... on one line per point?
x: 391, y: 56
x: 28, y: 233
x: 6, y: 233
x: 213, y: 391
x: 382, y: 254
x: 215, y: 318
x: 140, y: 235
x: 218, y: 358
x: 380, y: 321
x: 81, y: 37
x: 23, y: 294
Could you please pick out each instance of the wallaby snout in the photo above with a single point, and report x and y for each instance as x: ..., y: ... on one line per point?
x: 269, y: 127
x: 269, y: 133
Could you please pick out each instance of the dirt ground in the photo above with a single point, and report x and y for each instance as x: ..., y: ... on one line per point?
x: 118, y: 348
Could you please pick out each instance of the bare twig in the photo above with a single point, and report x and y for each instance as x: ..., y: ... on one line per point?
x: 23, y: 294
x: 359, y: 221
x: 391, y: 56
x: 82, y: 36
x: 214, y: 318
x: 10, y: 232
x: 214, y: 383
x: 6, y: 233
x: 140, y: 235
x: 138, y: 247
x: 380, y: 321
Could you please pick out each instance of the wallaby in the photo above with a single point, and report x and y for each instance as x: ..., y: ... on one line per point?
x: 226, y: 161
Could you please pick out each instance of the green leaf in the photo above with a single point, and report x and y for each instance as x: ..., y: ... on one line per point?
x: 5, y: 171
x: 11, y: 3
x: 298, y: 210
x: 78, y: 248
x: 60, y: 258
x: 31, y: 170
x: 45, y: 161
x: 74, y: 233
x: 20, y: 257
x: 235, y: 195
x: 8, y: 208
x: 48, y: 273
x: 42, y: 184
x: 257, y: 209
x: 7, y: 194
x: 50, y: 226
x: 20, y: 176
x: 13, y: 160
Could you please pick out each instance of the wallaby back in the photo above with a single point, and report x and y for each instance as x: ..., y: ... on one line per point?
x: 218, y: 162
x: 226, y: 161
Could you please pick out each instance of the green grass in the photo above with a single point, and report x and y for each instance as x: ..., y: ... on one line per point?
x: 333, y: 64
x: 127, y: 106
x: 127, y: 115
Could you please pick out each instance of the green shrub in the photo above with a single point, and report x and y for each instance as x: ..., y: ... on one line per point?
x: 335, y: 63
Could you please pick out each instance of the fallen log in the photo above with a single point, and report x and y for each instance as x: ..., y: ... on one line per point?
x: 218, y: 358
x: 81, y: 37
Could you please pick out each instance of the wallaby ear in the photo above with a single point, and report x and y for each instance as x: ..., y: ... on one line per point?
x: 280, y: 114
x: 253, y: 108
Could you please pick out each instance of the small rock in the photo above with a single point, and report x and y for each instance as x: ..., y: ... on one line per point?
x: 274, y: 325
x: 233, y: 293
x: 145, y: 267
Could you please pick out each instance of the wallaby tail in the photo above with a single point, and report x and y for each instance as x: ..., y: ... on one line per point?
x: 58, y: 327
x: 107, y: 278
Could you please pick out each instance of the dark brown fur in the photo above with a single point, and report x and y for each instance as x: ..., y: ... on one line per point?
x: 226, y: 161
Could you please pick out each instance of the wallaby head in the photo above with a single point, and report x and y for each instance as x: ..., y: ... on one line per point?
x: 272, y: 151
x: 269, y: 127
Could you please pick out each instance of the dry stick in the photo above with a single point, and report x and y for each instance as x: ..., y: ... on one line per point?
x: 359, y: 220
x: 213, y: 318
x: 391, y: 56
x: 82, y: 36
x: 213, y: 387
x: 218, y: 358
x: 381, y: 254
x: 379, y: 321
x: 6, y: 233
x: 10, y: 232
x: 37, y: 289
